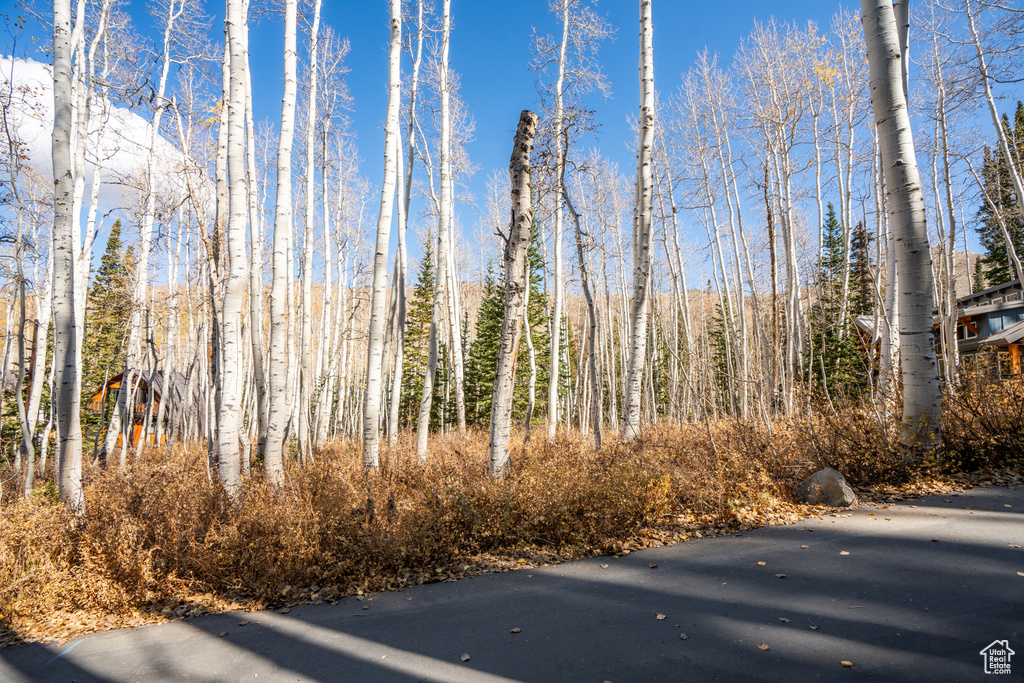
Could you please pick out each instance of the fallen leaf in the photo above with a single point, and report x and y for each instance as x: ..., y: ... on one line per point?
x: 604, y: 566
x: 763, y: 646
x: 760, y: 564
x: 366, y: 607
x: 243, y: 623
x: 286, y: 610
x: 843, y: 552
x: 464, y: 658
x: 784, y: 620
x: 1020, y: 573
x: 847, y: 664
x: 660, y: 617
x: 1007, y: 506
x: 813, y: 627
x: 935, y: 540
x: 805, y: 547
x: 222, y: 633
x: 780, y: 576
x: 652, y: 566
x: 683, y: 636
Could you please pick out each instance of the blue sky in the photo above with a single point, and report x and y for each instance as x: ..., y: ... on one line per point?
x: 491, y: 49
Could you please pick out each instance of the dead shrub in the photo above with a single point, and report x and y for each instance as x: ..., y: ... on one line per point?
x: 163, y: 533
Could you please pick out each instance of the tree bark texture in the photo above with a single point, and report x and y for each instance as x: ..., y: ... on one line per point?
x: 516, y: 283
x: 378, y: 303
x: 922, y: 395
x: 643, y: 231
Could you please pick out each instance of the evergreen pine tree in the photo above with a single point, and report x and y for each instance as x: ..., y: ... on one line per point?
x: 837, y: 364
x: 108, y: 310
x: 417, y: 341
x: 999, y: 187
x: 862, y: 291
x: 482, y: 357
x: 979, y: 277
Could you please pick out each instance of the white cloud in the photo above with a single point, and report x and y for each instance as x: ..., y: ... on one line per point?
x: 121, y: 151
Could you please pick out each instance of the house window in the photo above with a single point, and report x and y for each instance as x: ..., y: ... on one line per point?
x: 1013, y: 297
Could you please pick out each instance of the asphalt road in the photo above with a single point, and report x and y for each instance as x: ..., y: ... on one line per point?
x: 910, y: 593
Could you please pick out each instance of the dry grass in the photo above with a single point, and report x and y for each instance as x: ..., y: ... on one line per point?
x: 162, y: 540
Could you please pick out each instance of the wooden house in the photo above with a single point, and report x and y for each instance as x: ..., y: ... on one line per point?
x: 150, y: 385
x: 992, y: 322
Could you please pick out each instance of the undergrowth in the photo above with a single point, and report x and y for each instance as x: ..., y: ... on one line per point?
x: 163, y: 534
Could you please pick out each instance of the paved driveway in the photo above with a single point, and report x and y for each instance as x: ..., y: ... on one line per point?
x: 908, y: 593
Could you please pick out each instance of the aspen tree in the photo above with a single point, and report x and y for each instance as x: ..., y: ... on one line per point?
x: 306, y: 332
x: 378, y: 304
x: 516, y: 284
x: 256, y: 262
x: 174, y: 9
x: 559, y: 275
x: 230, y: 378
x: 643, y: 232
x: 922, y: 395
x: 66, y: 402
x: 278, y: 408
x: 443, y: 252
x: 595, y: 379
x: 401, y: 257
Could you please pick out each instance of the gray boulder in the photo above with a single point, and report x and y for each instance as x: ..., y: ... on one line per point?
x: 826, y: 487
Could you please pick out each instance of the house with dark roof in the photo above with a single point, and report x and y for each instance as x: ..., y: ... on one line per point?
x: 992, y: 321
x: 989, y: 325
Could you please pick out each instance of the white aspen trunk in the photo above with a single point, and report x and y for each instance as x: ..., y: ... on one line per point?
x: 922, y: 395
x: 85, y: 92
x: 231, y: 375
x: 175, y: 9
x: 595, y: 378
x: 643, y: 231
x: 398, y: 329
x: 171, y: 336
x: 69, y: 457
x: 278, y: 409
x: 942, y: 283
x: 687, y: 328
x: 516, y: 283
x: 9, y: 336
x: 531, y: 355
x: 950, y: 343
x: 306, y: 333
x: 38, y: 379
x: 325, y: 367
x: 25, y: 451
x: 378, y: 305
x: 455, y: 324
x: 736, y: 232
x: 402, y: 263
x: 443, y: 226
x: 256, y: 264
x: 559, y: 274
